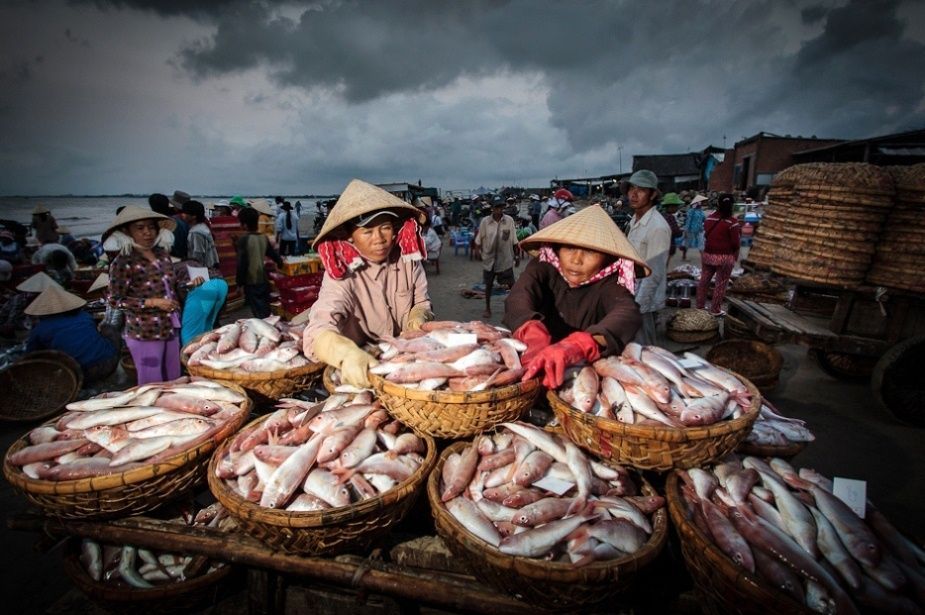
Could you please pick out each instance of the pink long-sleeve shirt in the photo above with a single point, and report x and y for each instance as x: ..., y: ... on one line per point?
x: 368, y: 304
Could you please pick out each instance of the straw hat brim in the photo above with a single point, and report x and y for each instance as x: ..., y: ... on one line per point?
x: 133, y: 213
x: 36, y: 283
x: 101, y: 281
x: 262, y: 206
x: 40, y: 209
x: 590, y: 228
x: 361, y: 198
x: 54, y: 300
x: 63, y: 230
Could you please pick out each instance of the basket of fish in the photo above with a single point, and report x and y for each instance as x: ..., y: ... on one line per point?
x: 262, y: 355
x: 453, y: 379
x: 775, y: 435
x: 759, y: 536
x: 122, y: 578
x: 321, y: 478
x: 648, y: 409
x: 534, y: 517
x: 124, y: 453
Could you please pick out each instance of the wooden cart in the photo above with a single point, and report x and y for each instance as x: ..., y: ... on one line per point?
x: 858, y: 333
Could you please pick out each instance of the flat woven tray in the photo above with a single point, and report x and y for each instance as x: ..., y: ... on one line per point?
x: 654, y: 448
x: 759, y: 362
x: 326, y: 532
x: 39, y: 385
x: 128, y: 493
x: 550, y: 585
x: 452, y: 414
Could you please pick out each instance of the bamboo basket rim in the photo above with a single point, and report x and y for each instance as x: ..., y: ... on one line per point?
x: 15, y: 476
x: 666, y: 433
x: 538, y: 568
x: 101, y: 591
x: 57, y: 359
x: 677, y: 508
x: 239, y: 507
x: 517, y: 389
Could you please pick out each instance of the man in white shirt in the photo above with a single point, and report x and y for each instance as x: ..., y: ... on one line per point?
x: 496, y: 239
x: 651, y: 236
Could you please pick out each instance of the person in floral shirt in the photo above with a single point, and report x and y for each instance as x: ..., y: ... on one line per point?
x: 142, y: 284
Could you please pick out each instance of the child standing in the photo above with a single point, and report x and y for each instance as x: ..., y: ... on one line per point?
x: 252, y: 248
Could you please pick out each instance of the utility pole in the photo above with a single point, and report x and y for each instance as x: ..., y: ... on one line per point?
x: 620, y: 150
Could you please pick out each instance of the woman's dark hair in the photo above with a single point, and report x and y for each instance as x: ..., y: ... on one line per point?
x: 160, y: 203
x: 288, y: 207
x: 195, y: 209
x: 724, y: 205
x: 58, y: 259
x: 249, y: 218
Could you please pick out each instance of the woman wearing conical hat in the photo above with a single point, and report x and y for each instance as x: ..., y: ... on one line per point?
x: 142, y: 284
x: 64, y: 326
x: 374, y: 284
x: 574, y: 303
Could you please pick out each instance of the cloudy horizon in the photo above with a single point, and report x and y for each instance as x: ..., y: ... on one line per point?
x: 233, y: 96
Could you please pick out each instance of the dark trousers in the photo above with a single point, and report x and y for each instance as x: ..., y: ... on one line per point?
x: 288, y: 247
x: 257, y: 297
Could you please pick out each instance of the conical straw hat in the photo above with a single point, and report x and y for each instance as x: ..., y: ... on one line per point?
x: 357, y: 199
x: 36, y: 283
x: 262, y: 206
x: 133, y: 213
x: 101, y: 281
x: 590, y: 228
x: 54, y: 300
x: 40, y: 209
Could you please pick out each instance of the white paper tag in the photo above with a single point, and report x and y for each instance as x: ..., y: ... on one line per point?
x: 851, y: 492
x: 690, y: 363
x: 198, y: 272
x: 554, y: 485
x: 461, y: 339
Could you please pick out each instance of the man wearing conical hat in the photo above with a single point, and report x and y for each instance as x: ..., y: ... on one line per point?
x: 374, y: 284
x: 574, y: 303
x: 45, y: 225
x: 64, y: 326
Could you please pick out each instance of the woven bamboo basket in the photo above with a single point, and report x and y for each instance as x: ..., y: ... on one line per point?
x: 452, y: 414
x: 550, y: 585
x: 691, y: 337
x: 759, y: 362
x: 654, y: 448
x: 267, y: 387
x: 327, y: 532
x: 38, y: 386
x: 181, y: 597
x: 723, y: 586
x: 128, y: 493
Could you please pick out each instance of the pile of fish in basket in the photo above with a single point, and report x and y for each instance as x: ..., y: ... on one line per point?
x: 562, y: 517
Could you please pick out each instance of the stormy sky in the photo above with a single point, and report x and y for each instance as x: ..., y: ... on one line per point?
x: 221, y: 97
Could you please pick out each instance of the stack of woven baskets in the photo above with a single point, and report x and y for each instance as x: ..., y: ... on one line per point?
x: 775, y: 221
x: 691, y: 326
x: 834, y: 224
x: 900, y: 257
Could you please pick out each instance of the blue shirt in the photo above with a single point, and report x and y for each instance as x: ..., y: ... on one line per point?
x: 74, y: 334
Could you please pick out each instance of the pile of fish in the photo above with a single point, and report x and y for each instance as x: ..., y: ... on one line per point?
x: 143, y: 568
x: 530, y: 493
x: 471, y: 356
x: 773, y: 429
x: 312, y: 456
x: 788, y: 528
x: 249, y: 345
x: 650, y: 386
x: 121, y: 430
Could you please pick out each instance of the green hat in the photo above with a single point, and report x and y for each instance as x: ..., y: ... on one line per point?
x: 239, y: 201
x: 672, y: 198
x: 641, y: 179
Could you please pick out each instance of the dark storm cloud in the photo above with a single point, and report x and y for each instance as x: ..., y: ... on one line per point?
x: 165, y: 8
x: 73, y: 38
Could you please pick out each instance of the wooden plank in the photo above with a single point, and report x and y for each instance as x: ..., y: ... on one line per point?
x: 446, y: 591
x: 797, y: 323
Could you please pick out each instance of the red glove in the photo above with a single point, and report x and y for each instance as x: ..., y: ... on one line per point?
x: 534, y: 334
x: 554, y: 360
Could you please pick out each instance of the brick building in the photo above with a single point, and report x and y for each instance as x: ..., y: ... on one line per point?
x: 753, y: 162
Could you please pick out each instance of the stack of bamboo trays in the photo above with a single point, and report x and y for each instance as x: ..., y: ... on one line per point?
x: 834, y: 223
x: 900, y: 257
x: 774, y: 222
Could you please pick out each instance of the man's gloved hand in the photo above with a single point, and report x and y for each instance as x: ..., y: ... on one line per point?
x: 417, y: 316
x: 534, y: 334
x: 339, y: 351
x: 553, y: 360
